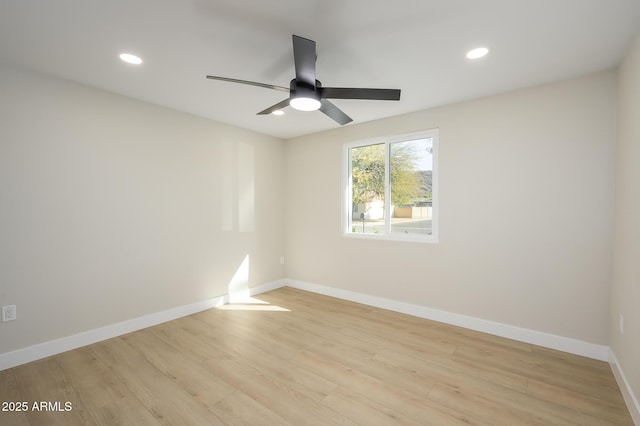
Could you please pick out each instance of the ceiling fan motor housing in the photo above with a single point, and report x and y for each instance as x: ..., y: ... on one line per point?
x: 304, y: 96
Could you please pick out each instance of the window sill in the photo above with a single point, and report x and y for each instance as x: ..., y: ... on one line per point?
x: 415, y: 238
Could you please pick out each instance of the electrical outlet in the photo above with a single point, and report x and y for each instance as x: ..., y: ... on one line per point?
x: 282, y: 260
x: 8, y: 313
x: 621, y: 323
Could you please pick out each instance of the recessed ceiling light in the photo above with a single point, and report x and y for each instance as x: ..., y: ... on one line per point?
x: 477, y: 53
x: 278, y: 112
x: 130, y: 59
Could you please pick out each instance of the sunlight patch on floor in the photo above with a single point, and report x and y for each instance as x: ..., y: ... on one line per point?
x: 252, y: 304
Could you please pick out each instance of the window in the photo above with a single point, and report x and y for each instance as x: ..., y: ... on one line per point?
x: 391, y: 188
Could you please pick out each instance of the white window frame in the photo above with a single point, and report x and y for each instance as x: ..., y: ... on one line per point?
x: 346, y: 188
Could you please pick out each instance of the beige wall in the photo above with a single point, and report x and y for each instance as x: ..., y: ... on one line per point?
x: 625, y: 296
x: 111, y: 208
x: 499, y: 258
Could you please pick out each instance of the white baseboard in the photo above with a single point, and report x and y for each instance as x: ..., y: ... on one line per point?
x: 565, y: 344
x: 53, y: 347
x: 629, y: 397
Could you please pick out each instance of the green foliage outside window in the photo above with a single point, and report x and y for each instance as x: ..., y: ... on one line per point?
x: 367, y: 173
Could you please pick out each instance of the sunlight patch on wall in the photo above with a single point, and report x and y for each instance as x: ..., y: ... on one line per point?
x: 246, y: 188
x: 227, y: 184
x: 238, y: 187
x: 239, y: 284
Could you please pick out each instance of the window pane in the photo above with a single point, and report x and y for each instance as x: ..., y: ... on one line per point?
x: 411, y: 168
x: 367, y: 189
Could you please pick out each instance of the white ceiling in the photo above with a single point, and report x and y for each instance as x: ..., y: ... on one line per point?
x: 418, y: 46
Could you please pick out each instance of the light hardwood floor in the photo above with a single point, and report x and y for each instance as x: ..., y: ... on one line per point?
x: 292, y: 357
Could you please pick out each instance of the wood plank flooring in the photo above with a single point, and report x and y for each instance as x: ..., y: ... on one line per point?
x: 293, y: 357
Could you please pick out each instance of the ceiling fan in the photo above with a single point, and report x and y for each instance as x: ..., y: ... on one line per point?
x: 307, y: 94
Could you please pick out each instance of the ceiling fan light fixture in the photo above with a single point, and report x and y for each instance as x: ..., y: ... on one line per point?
x: 304, y: 96
x: 278, y: 112
x: 304, y: 103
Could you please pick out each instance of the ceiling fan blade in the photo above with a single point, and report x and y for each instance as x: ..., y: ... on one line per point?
x: 358, y: 93
x: 275, y: 107
x: 304, y: 57
x: 334, y: 112
x: 252, y: 83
